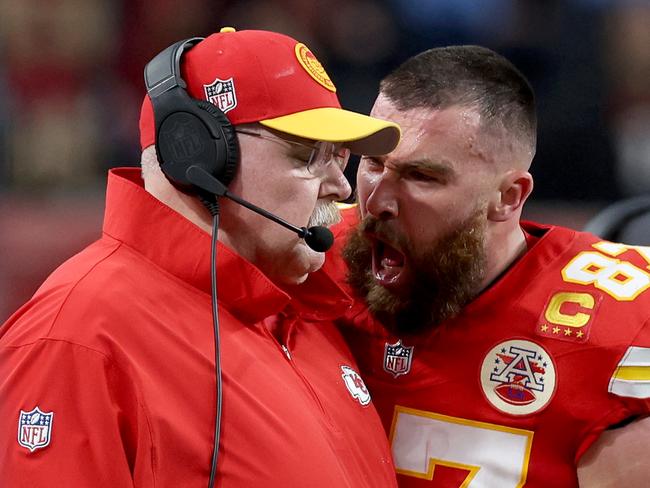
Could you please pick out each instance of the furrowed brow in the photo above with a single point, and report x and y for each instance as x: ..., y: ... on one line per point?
x: 442, y: 168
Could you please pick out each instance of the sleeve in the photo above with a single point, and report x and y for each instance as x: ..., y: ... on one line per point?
x: 631, y: 378
x: 68, y: 417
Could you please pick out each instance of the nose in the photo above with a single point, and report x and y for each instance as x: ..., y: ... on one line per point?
x: 381, y: 197
x: 335, y: 185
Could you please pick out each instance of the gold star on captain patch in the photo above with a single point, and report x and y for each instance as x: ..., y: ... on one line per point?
x: 544, y: 327
x: 556, y: 330
x: 567, y: 332
x: 579, y: 334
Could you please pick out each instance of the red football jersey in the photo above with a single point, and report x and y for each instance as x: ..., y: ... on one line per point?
x: 512, y: 392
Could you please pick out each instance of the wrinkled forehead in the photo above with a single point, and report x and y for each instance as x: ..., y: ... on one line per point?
x: 453, y: 134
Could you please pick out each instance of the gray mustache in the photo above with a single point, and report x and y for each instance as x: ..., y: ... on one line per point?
x: 325, y: 214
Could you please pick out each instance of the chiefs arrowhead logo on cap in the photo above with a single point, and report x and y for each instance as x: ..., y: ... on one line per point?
x: 313, y: 67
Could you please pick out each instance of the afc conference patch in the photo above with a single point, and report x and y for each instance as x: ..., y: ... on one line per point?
x: 397, y: 358
x: 35, y: 428
x: 518, y: 377
x: 222, y: 94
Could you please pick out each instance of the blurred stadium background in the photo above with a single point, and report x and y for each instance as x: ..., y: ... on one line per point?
x: 71, y: 87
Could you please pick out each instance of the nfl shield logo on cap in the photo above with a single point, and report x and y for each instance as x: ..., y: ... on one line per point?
x: 397, y: 358
x: 222, y: 94
x: 35, y: 428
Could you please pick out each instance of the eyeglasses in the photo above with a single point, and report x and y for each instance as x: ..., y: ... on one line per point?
x: 321, y: 156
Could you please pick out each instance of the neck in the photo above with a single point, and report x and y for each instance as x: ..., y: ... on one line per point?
x: 505, y: 250
x: 188, y: 206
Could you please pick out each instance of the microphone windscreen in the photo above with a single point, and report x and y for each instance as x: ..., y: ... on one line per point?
x: 320, y: 239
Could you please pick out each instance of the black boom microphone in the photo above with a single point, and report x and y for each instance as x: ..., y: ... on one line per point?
x: 318, y: 238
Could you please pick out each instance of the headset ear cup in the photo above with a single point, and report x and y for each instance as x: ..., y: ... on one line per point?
x: 227, y: 168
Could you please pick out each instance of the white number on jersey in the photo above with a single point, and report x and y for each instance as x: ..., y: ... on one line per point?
x: 620, y: 279
x: 495, y: 455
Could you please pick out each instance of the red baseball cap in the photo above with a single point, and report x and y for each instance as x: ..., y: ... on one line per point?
x: 270, y: 78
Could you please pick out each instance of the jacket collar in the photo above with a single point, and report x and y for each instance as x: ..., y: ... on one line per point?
x: 170, y: 241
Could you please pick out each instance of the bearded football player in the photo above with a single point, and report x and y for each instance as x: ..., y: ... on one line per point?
x: 499, y: 352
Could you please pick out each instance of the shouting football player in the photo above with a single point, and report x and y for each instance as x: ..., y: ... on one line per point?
x: 500, y: 353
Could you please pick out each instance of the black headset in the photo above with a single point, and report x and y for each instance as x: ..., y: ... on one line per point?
x: 196, y: 144
x: 188, y: 131
x: 193, y: 133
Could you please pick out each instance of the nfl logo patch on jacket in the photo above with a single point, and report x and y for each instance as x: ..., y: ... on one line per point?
x: 35, y: 428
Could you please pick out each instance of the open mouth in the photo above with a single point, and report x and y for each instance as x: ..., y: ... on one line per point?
x: 387, y: 263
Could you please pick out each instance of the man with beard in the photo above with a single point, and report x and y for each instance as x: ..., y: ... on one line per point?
x: 499, y: 353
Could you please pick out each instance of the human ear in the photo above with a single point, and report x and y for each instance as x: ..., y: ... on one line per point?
x: 514, y: 189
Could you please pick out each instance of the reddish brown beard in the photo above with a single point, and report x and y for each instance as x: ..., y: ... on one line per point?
x: 445, y: 277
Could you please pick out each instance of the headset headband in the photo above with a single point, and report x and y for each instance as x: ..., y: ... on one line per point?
x: 163, y: 73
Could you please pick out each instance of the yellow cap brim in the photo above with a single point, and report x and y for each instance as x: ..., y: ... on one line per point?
x: 360, y: 133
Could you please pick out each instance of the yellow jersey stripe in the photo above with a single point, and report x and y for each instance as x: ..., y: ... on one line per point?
x: 632, y: 373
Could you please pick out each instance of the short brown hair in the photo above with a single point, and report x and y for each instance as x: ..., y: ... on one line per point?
x: 471, y: 76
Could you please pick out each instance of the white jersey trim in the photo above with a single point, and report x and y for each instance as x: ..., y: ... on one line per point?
x: 632, y: 389
x: 632, y: 376
x: 636, y: 356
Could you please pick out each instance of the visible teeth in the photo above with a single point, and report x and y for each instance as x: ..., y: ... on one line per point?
x: 386, y: 261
